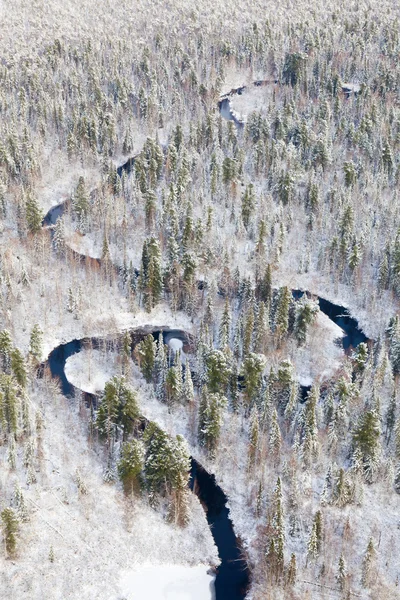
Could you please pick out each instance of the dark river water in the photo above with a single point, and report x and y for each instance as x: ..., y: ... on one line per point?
x: 233, y: 574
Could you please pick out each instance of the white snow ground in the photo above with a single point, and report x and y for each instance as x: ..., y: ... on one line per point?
x: 168, y: 582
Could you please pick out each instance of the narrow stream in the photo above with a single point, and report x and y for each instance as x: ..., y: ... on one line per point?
x: 233, y: 575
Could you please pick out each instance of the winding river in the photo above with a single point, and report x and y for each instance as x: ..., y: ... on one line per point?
x: 233, y: 575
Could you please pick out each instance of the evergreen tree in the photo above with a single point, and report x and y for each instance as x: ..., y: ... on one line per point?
x: 248, y: 332
x: 366, y: 437
x: 80, y: 200
x: 130, y: 465
x: 279, y: 528
x: 174, y: 382
x: 161, y: 368
x: 224, y: 328
x: 18, y: 367
x: 118, y: 408
x: 282, y: 313
x: 306, y: 313
x: 391, y: 416
x: 34, y: 215
x: 218, y: 370
x: 10, y: 529
x: 341, y: 573
x: 264, y: 287
x: 35, y: 343
x: 275, y: 437
x: 254, y: 432
x: 187, y: 390
x: 368, y: 564
x: 261, y: 329
x: 248, y: 204
x: 151, y: 279
x: 252, y: 371
x: 59, y: 236
x: 146, y: 354
x: 292, y: 571
x: 5, y: 349
x: 211, y: 412
x: 360, y: 357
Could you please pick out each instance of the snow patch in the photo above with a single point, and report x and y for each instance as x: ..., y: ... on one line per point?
x: 169, y: 582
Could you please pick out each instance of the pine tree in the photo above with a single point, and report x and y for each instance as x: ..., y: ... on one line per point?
x: 366, y: 437
x: 10, y: 524
x: 51, y: 554
x: 20, y: 506
x: 279, y: 528
x: 368, y: 563
x: 275, y: 437
x: 118, y: 407
x: 211, y: 412
x: 187, y: 390
x: 360, y: 357
x: 264, y: 287
x: 9, y: 405
x: 341, y: 573
x: 224, y: 328
x: 218, y: 370
x: 5, y: 349
x: 252, y: 371
x: 310, y: 440
x: 282, y: 314
x: 34, y: 215
x: 174, y: 382
x: 391, y: 416
x: 35, y: 343
x: 81, y: 201
x: 306, y: 313
x: 248, y: 332
x: 161, y: 368
x: 254, y: 432
x: 59, y: 236
x: 18, y: 367
x: 146, y: 354
x: 130, y: 465
x: 248, y: 204
x: 291, y: 571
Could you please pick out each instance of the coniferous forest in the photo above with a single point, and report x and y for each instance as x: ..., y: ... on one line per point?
x: 200, y: 300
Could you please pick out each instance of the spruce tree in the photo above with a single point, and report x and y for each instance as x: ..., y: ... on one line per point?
x: 306, y: 313
x: 282, y: 314
x: 34, y: 215
x: 254, y: 432
x: 218, y: 370
x: 211, y: 411
x: 252, y: 371
x: 224, y: 328
x: 35, y: 343
x: 130, y: 465
x: 368, y: 564
x: 18, y: 367
x: 146, y: 354
x: 291, y: 570
x: 341, y: 573
x: 5, y: 349
x: 275, y: 437
x: 10, y: 525
x: 187, y: 390
x: 366, y: 437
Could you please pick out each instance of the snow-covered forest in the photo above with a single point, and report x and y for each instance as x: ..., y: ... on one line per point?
x: 172, y: 178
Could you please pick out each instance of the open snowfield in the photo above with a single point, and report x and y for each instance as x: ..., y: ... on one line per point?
x: 167, y: 582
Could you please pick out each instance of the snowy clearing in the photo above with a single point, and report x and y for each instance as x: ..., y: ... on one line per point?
x: 168, y: 582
